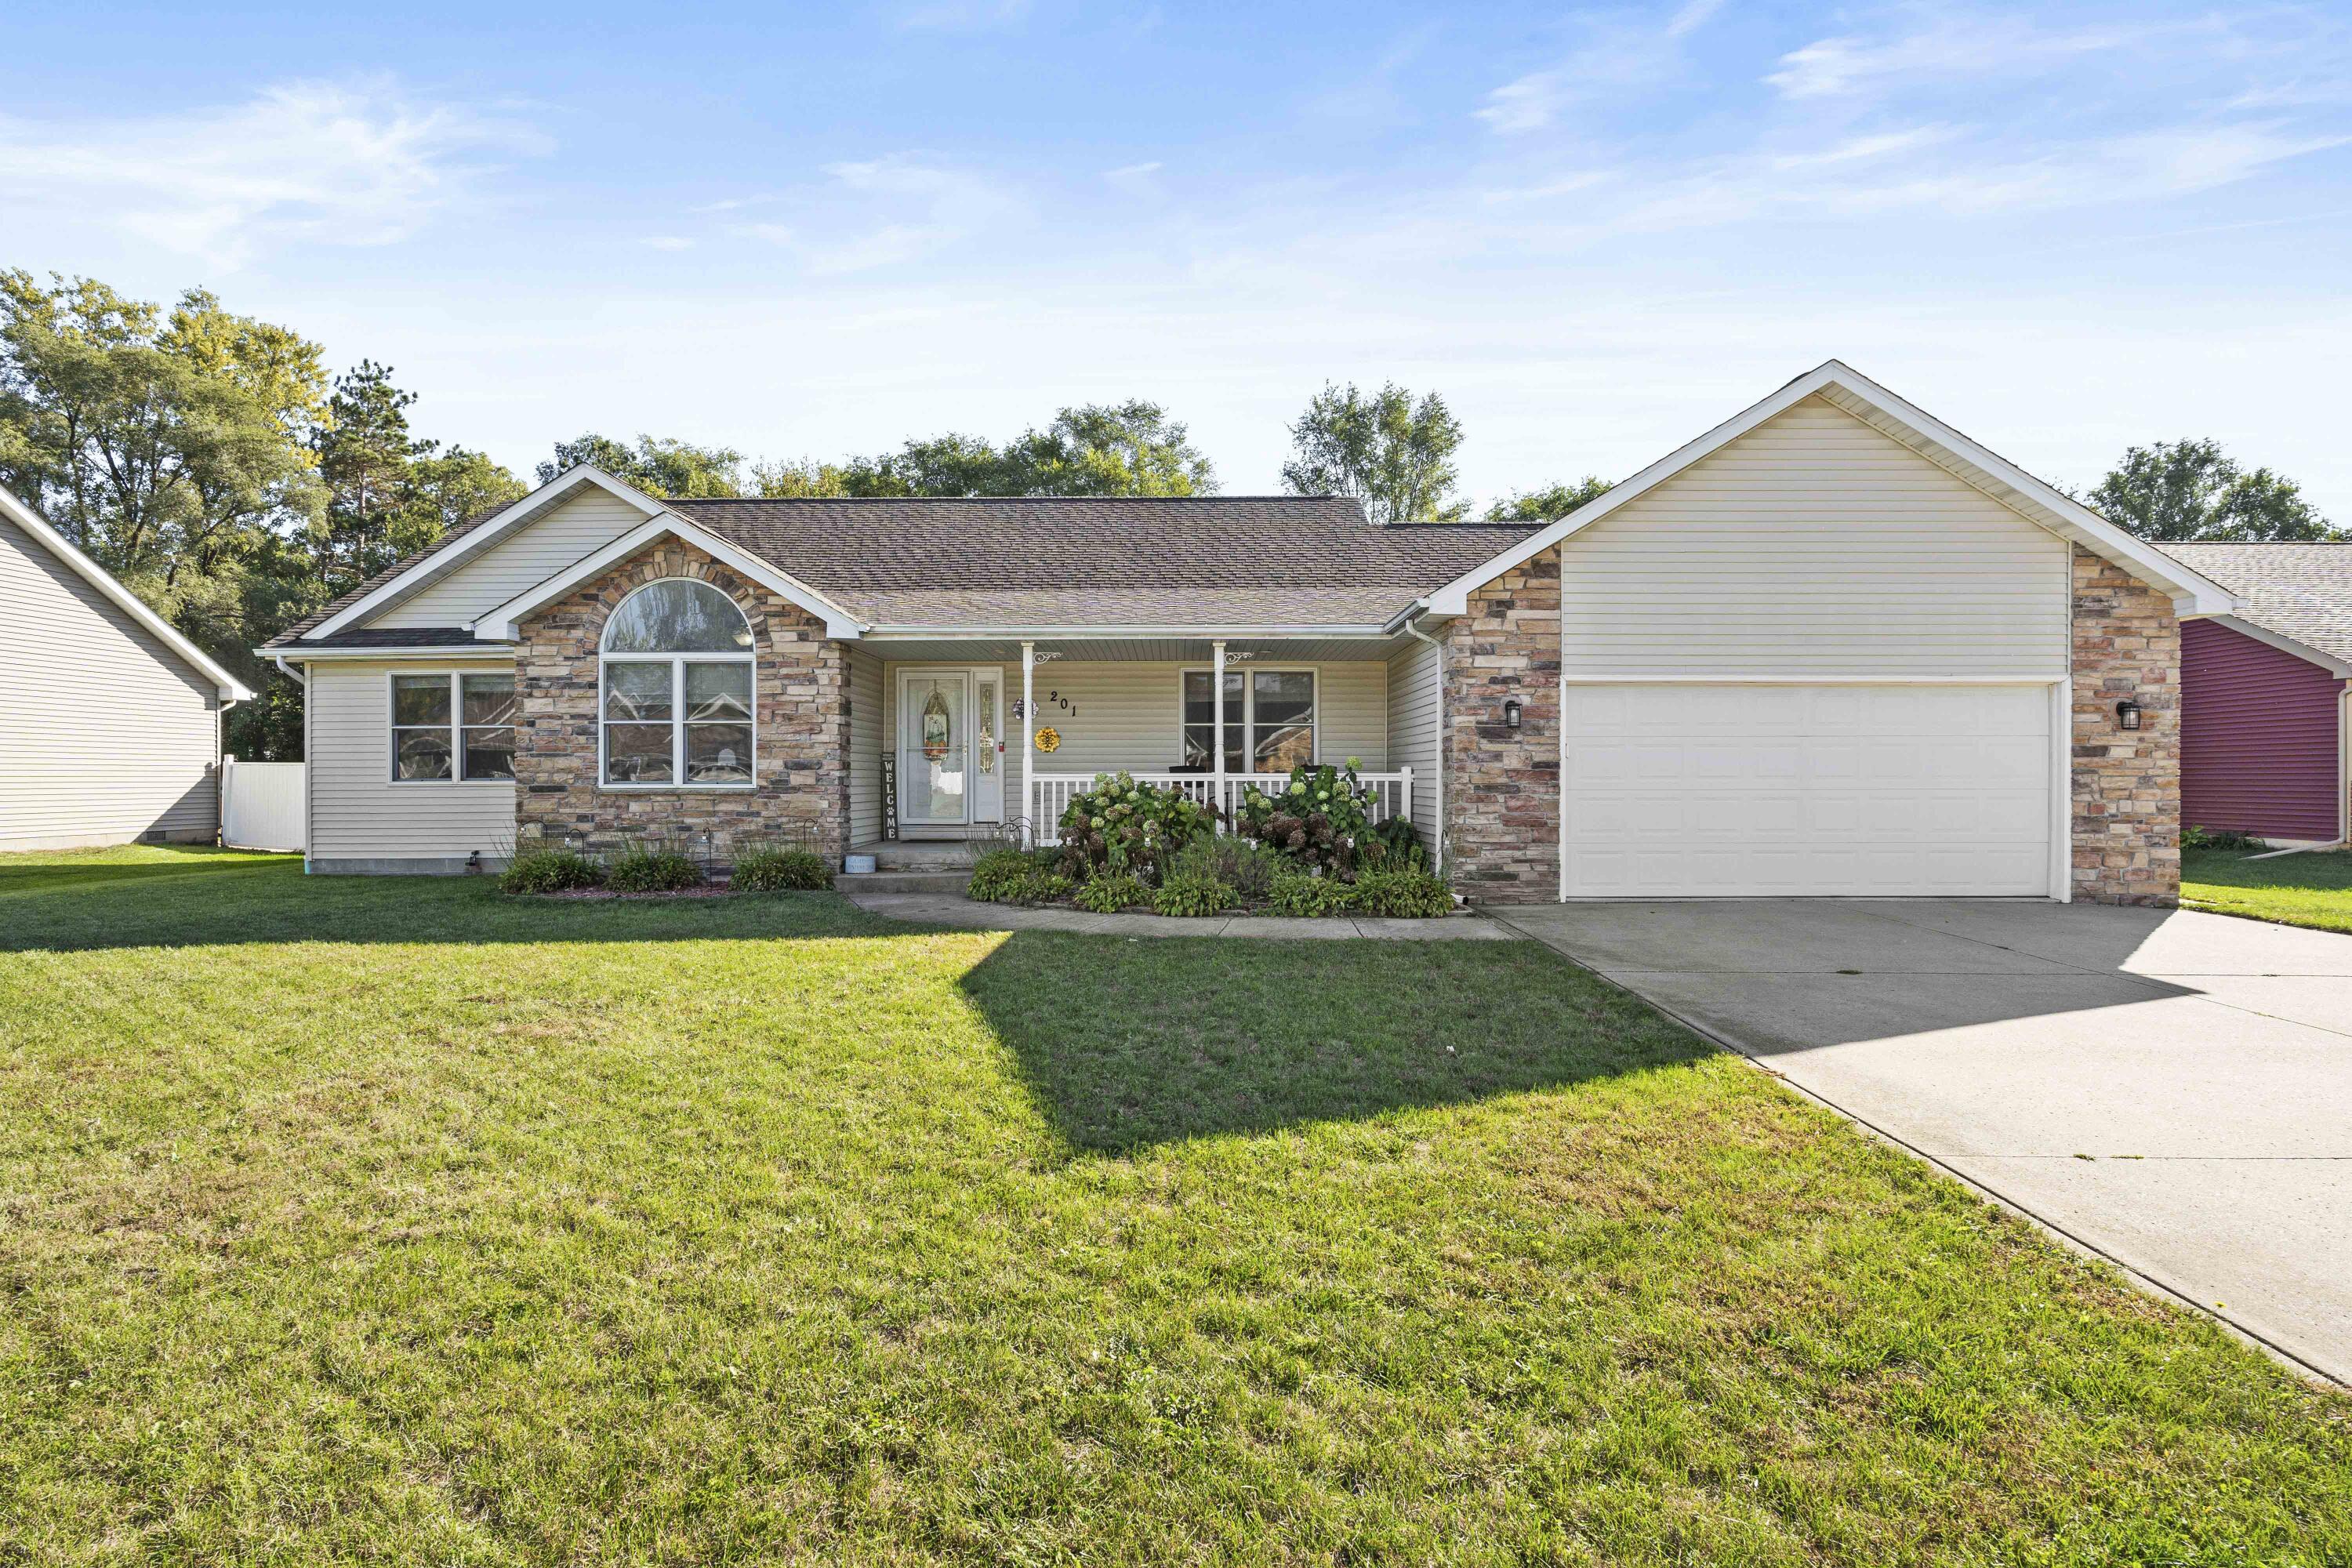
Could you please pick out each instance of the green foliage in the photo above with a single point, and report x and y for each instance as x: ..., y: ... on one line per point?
x: 1405, y: 892
x: 1393, y: 455
x: 1303, y: 894
x: 655, y: 465
x: 1016, y: 877
x: 1192, y: 897
x: 2219, y: 838
x: 1131, y: 448
x: 388, y: 493
x: 2192, y: 492
x: 1120, y: 825
x: 1550, y: 503
x: 654, y: 868
x: 550, y: 871
x: 1109, y: 894
x: 1316, y: 818
x: 770, y: 868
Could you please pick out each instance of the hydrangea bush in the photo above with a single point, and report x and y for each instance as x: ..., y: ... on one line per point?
x: 1317, y: 817
x: 1123, y: 827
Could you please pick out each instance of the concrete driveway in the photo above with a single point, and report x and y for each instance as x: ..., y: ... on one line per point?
x: 2173, y: 1089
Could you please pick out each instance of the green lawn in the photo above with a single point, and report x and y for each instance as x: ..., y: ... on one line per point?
x: 353, y: 1221
x: 2297, y: 889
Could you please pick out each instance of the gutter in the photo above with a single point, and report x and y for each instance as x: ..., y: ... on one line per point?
x: 1437, y: 857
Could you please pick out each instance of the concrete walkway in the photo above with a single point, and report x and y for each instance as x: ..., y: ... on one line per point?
x: 2171, y: 1090
x: 953, y: 910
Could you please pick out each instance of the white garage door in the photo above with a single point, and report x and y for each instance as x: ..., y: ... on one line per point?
x: 1773, y: 791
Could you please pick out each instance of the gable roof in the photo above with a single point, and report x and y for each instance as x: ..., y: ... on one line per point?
x: 456, y: 547
x: 499, y: 623
x: 1855, y: 393
x: 950, y: 565
x: 2302, y: 592
x: 921, y: 563
x: 230, y: 687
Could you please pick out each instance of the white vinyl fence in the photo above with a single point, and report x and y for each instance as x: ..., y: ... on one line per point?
x: 261, y: 805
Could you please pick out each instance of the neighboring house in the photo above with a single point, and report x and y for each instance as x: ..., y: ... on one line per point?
x: 2266, y: 694
x: 120, y: 740
x: 1830, y: 647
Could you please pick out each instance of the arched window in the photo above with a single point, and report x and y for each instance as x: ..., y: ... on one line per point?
x: 677, y: 702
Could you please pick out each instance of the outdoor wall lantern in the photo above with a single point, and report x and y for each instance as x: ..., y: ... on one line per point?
x: 1511, y: 714
x: 2127, y: 715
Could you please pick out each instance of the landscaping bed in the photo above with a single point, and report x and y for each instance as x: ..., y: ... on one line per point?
x: 1302, y: 846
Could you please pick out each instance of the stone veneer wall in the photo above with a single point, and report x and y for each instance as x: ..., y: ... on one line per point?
x: 2126, y: 806
x: 800, y: 742
x: 1502, y: 785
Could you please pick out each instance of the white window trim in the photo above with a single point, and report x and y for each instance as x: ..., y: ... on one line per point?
x: 679, y: 783
x: 455, y: 727
x: 1249, y: 710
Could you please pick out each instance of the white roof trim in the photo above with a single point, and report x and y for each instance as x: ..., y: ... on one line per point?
x: 498, y: 625
x: 473, y: 654
x: 1113, y: 633
x: 2285, y: 644
x: 2192, y: 592
x: 231, y: 689
x: 460, y: 550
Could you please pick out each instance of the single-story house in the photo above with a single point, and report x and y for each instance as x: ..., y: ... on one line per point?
x: 1831, y: 647
x: 122, y: 740
x: 2266, y: 694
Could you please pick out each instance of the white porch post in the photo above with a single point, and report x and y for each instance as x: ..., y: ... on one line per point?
x: 1028, y: 743
x: 1217, y: 745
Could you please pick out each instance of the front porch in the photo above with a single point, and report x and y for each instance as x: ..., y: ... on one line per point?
x: 989, y: 740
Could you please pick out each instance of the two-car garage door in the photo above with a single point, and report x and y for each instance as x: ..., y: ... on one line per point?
x: 1730, y: 791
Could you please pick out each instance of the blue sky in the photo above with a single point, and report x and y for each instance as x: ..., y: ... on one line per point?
x: 1597, y: 231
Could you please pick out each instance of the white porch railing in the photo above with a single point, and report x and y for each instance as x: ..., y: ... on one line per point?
x: 1049, y: 793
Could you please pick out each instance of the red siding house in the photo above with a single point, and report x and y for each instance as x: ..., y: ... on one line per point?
x: 2266, y: 694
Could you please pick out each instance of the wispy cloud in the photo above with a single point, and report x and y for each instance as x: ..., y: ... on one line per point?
x: 931, y: 205
x: 1621, y: 52
x: 1942, y: 44
x: 317, y: 161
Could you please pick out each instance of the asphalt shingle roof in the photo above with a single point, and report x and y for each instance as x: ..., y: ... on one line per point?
x: 1083, y: 561
x: 2299, y: 591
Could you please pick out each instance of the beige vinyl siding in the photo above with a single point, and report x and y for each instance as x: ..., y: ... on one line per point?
x: 1125, y: 714
x: 357, y: 812
x: 866, y: 710
x: 108, y: 735
x: 1413, y: 730
x: 535, y: 552
x: 1814, y: 545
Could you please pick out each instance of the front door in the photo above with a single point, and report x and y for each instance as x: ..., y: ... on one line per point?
x: 988, y: 745
x: 935, y: 752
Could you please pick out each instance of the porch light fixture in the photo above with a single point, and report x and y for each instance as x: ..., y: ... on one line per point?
x: 2127, y: 715
x: 1511, y: 714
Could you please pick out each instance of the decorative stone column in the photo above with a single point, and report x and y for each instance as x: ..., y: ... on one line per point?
x: 2127, y: 783
x: 1502, y: 790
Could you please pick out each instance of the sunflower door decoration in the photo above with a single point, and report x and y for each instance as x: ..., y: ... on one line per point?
x: 1049, y: 740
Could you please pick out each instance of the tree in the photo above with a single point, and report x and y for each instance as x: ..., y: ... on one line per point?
x: 2192, y: 492
x: 159, y: 444
x: 1550, y: 503
x: 364, y: 451
x: 670, y: 469
x: 1131, y: 448
x: 1394, y: 455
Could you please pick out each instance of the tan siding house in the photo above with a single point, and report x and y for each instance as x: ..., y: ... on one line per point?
x: 1830, y: 647
x: 123, y: 743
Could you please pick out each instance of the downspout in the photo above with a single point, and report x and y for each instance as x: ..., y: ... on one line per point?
x: 1437, y: 857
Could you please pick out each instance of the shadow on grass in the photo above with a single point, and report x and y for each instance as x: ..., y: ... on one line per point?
x: 155, y: 897
x: 1128, y: 1043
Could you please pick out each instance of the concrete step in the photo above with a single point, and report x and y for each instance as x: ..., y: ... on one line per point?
x: 902, y: 882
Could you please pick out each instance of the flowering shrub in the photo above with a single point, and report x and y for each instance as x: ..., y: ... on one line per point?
x: 1130, y: 827
x: 1317, y: 817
